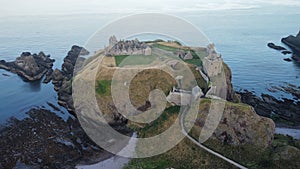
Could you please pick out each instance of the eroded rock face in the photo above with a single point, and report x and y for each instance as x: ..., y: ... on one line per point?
x: 30, y: 67
x: 239, y: 125
x: 62, y: 79
x: 231, y: 95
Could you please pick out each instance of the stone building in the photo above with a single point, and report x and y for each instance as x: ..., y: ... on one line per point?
x: 181, y: 97
x: 128, y: 47
x: 213, y: 63
x: 184, y: 55
x: 112, y: 41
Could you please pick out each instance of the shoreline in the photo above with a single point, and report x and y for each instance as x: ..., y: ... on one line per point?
x: 294, y: 133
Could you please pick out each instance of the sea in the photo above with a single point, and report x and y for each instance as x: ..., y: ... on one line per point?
x: 241, y: 36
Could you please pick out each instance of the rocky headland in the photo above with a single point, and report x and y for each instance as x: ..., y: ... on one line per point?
x: 62, y: 79
x: 45, y: 140
x: 293, y: 42
x: 30, y: 67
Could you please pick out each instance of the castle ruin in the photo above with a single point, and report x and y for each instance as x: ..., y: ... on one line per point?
x: 184, y: 55
x: 128, y: 47
x: 213, y: 63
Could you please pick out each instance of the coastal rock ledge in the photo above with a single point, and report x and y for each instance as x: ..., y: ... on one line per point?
x: 293, y: 42
x: 62, y: 79
x: 30, y: 67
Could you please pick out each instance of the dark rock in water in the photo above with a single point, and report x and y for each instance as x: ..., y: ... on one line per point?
x: 54, y: 107
x: 296, y: 58
x: 62, y: 79
x: 285, y: 110
x: 4, y: 74
x: 71, y: 58
x: 273, y: 46
x: 45, y: 140
x: 293, y: 42
x: 288, y: 59
x: 31, y: 67
x: 286, y: 52
x: 48, y: 77
x: 25, y: 54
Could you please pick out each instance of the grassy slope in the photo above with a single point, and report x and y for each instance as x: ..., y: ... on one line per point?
x: 123, y: 60
x: 145, y: 82
x: 196, y: 58
x: 187, y: 155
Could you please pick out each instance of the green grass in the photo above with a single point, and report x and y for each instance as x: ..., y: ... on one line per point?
x: 123, y: 60
x: 282, y: 140
x: 197, y: 62
x: 119, y: 59
x: 154, y: 163
x: 155, y: 127
x: 187, y: 155
x: 196, y: 58
x: 200, y: 81
x: 167, y: 48
x: 103, y: 87
x: 200, y: 54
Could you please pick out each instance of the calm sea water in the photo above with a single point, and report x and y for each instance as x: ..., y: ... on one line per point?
x: 241, y: 37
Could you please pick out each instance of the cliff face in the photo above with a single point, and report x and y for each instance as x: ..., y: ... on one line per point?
x: 231, y: 95
x: 239, y: 125
x: 62, y: 79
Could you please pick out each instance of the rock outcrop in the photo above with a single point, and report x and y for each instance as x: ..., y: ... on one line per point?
x: 45, y: 140
x: 62, y: 79
x: 286, y: 153
x: 294, y: 43
x: 30, y: 67
x: 231, y: 95
x: 276, y: 47
x: 282, y: 111
x: 239, y: 125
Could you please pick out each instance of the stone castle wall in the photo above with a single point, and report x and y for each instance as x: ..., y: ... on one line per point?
x: 213, y: 63
x: 128, y: 47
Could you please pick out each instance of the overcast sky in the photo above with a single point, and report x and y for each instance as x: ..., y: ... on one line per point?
x: 46, y: 7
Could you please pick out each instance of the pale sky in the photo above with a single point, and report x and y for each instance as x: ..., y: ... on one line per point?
x: 45, y: 7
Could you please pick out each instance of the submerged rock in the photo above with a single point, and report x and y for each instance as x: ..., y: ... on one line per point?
x: 30, y: 67
x: 286, y: 52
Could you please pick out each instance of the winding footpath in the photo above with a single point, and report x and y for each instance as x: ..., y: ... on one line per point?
x: 206, y: 148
